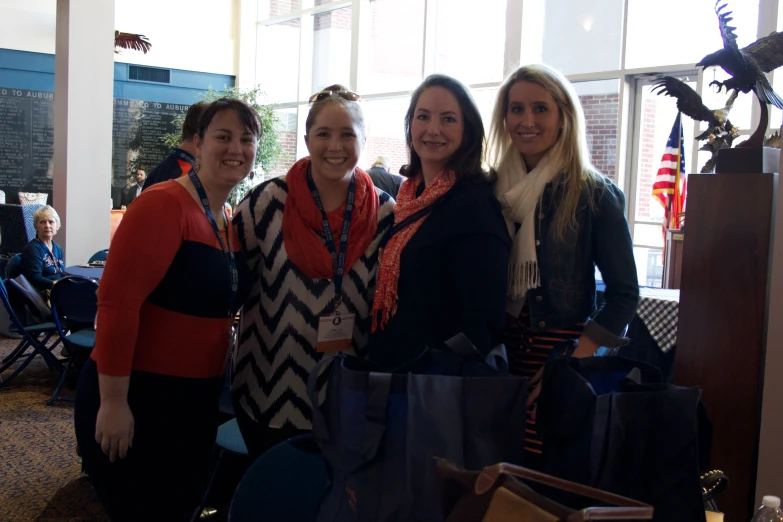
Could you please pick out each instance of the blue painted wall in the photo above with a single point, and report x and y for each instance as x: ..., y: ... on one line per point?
x: 35, y: 72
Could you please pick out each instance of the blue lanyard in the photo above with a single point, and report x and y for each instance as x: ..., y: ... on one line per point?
x: 184, y: 155
x: 338, y: 259
x: 226, y: 249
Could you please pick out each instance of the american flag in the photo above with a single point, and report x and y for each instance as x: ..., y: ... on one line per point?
x: 670, y: 181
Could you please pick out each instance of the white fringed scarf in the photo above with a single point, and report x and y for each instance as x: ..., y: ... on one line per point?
x: 519, y: 192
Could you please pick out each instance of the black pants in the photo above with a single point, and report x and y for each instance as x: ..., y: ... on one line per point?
x: 260, y: 437
x: 163, y: 476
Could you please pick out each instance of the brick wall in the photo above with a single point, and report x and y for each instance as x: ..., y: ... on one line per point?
x: 601, y: 119
x: 283, y: 7
x: 339, y: 19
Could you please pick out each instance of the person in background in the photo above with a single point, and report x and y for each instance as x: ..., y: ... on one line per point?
x: 43, y: 260
x: 444, y: 270
x: 183, y: 158
x: 130, y: 193
x: 298, y: 282
x: 146, y: 411
x: 381, y: 176
x: 566, y: 219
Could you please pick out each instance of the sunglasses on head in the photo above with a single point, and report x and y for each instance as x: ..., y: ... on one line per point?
x: 345, y: 95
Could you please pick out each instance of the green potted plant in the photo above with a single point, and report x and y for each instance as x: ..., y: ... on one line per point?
x: 269, y: 150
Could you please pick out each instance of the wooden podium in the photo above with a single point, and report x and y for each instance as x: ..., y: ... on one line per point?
x: 672, y: 264
x: 720, y: 336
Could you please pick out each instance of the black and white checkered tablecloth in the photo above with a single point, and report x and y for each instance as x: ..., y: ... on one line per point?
x: 658, y: 309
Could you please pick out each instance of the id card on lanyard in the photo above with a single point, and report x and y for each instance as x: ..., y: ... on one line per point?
x: 226, y: 248
x: 335, y: 330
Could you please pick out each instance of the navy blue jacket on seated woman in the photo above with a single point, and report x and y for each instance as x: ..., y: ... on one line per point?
x: 43, y: 260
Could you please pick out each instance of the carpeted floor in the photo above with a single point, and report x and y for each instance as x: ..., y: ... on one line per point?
x: 39, y: 470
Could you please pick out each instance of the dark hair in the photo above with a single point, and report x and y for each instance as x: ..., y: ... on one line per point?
x: 141, y: 167
x: 353, y: 107
x: 190, y: 125
x: 466, y: 162
x: 247, y: 115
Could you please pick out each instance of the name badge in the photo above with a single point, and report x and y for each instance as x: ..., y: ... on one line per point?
x: 335, y: 332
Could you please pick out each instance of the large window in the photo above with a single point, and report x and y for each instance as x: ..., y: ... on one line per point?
x: 612, y: 50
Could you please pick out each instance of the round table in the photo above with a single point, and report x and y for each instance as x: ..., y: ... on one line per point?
x: 93, y: 272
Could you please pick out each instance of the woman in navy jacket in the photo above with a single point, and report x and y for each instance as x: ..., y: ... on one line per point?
x: 443, y: 271
x: 566, y: 219
x: 43, y: 260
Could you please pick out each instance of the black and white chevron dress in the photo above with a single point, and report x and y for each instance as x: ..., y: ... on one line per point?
x: 277, y: 336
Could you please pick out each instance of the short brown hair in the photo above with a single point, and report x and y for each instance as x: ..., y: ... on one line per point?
x: 190, y: 126
x: 247, y: 115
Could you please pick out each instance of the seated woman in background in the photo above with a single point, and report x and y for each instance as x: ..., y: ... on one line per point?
x: 146, y: 410
x: 444, y: 270
x: 566, y: 219
x: 43, y: 260
x: 297, y: 281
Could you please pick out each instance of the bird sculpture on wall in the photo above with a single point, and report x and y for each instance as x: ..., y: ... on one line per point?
x: 746, y: 67
x: 135, y: 42
x: 720, y: 133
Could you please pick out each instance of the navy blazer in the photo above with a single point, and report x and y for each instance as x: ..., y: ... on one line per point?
x: 453, y: 278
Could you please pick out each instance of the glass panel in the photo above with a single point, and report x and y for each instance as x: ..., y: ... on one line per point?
x: 648, y: 235
x: 331, y: 47
x: 649, y: 266
x: 470, y: 40
x: 676, y: 31
x: 591, y: 28
x: 384, y: 120
x: 273, y: 8
x: 485, y: 99
x: 395, y: 59
x: 658, y: 116
x: 277, y: 68
x: 287, y: 139
x: 600, y: 101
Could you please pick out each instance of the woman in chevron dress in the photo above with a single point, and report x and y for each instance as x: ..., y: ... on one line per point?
x: 305, y: 271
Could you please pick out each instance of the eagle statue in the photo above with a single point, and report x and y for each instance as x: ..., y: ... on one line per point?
x: 746, y: 67
x: 690, y: 104
x: 720, y: 133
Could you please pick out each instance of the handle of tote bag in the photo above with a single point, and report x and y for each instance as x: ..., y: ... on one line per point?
x: 628, y: 509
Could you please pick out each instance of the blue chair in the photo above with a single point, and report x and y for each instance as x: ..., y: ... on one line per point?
x: 31, y: 344
x: 99, y: 256
x: 74, y: 302
x: 285, y: 484
x: 14, y: 267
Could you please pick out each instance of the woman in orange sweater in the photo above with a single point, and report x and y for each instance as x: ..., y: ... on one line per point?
x: 147, y: 402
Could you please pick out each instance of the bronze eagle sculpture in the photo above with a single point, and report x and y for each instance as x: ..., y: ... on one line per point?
x: 690, y: 104
x: 720, y: 133
x: 748, y: 65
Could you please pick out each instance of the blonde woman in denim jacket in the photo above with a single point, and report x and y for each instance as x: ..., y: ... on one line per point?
x: 566, y: 219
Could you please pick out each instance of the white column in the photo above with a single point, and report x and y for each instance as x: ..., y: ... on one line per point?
x: 83, y: 110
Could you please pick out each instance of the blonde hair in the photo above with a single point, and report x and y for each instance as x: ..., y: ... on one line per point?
x: 47, y: 211
x: 569, y: 154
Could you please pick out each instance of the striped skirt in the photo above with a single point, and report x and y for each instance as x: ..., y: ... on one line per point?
x: 527, y: 353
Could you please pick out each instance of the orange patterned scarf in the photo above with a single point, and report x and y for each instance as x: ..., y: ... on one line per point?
x: 385, y: 304
x: 303, y: 223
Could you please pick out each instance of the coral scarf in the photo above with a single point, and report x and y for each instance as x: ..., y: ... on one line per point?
x: 303, y: 223
x: 385, y: 304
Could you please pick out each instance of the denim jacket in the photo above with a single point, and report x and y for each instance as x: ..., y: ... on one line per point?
x: 566, y: 295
